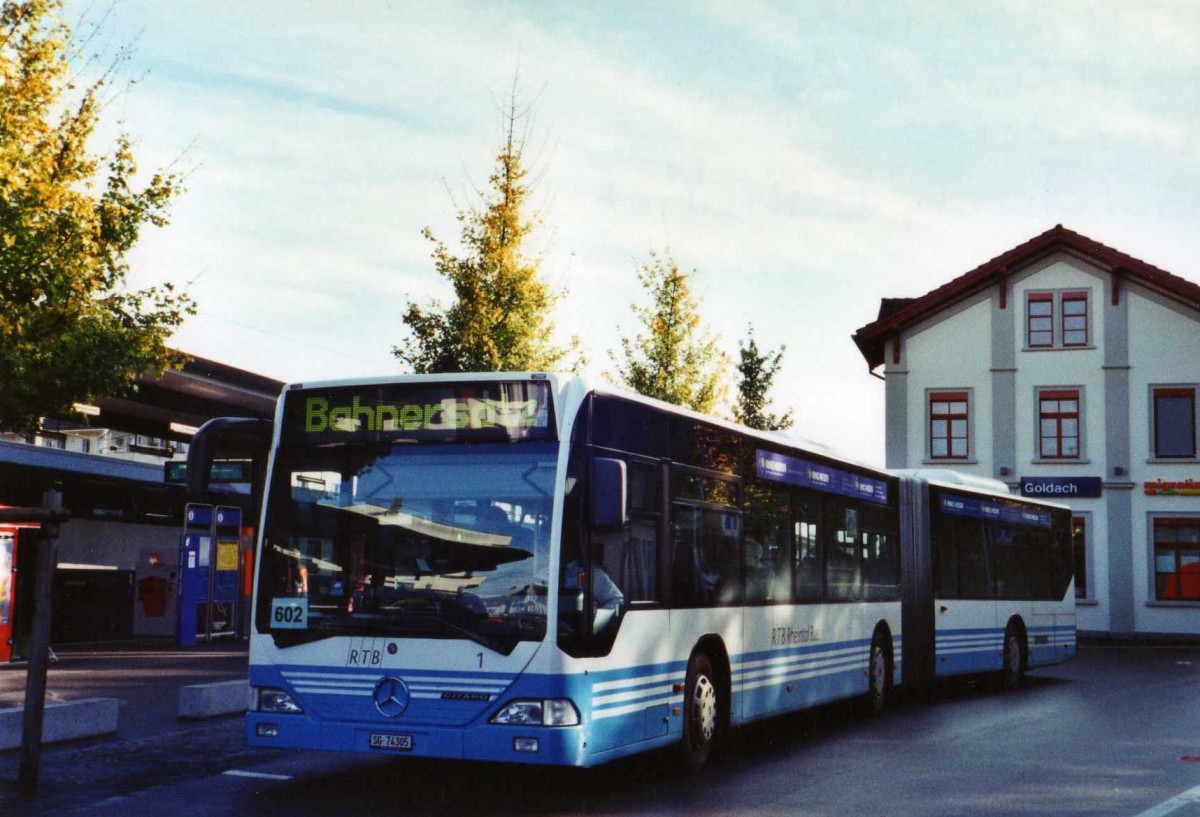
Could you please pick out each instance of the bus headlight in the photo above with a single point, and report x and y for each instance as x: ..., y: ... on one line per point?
x: 274, y: 700
x: 545, y: 712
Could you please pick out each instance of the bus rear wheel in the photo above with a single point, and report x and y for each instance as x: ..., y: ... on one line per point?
x: 880, y: 672
x: 701, y: 713
x: 1013, y: 673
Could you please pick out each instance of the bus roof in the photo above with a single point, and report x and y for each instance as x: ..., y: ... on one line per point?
x: 947, y: 478
x: 570, y: 386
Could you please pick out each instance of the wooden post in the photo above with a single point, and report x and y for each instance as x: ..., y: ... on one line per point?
x: 35, y: 678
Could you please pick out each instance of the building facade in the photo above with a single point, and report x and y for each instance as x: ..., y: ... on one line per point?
x: 1070, y: 371
x: 118, y: 565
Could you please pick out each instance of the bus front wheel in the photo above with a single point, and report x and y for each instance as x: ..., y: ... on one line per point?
x: 701, y: 712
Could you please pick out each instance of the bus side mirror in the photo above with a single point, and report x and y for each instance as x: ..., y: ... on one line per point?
x: 608, y: 493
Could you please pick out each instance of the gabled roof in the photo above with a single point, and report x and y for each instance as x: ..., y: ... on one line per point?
x: 898, y: 314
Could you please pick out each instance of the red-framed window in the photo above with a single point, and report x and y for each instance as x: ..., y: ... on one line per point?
x: 1175, y: 422
x: 1177, y: 559
x: 1040, y: 320
x: 1075, y: 319
x: 1058, y: 424
x: 949, y: 425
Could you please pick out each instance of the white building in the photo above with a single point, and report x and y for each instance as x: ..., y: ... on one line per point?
x: 1070, y: 371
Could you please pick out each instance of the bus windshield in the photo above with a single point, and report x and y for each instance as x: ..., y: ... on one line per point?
x: 408, y: 541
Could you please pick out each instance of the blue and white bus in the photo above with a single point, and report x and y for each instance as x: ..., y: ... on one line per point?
x: 534, y: 568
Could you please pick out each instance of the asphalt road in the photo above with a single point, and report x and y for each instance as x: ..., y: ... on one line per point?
x: 1114, y: 732
x: 145, y: 680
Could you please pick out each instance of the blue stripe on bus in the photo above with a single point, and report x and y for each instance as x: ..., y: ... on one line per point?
x: 819, y: 671
x: 962, y: 651
x: 629, y: 691
x: 772, y: 681
x: 982, y: 649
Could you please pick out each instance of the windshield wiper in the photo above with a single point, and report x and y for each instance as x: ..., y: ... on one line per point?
x: 492, y: 644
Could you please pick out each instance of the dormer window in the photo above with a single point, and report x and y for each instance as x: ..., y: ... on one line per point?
x: 1057, y: 319
x: 1040, y: 311
x: 1075, y: 318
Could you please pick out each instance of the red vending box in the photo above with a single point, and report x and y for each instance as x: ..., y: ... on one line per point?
x: 8, y: 584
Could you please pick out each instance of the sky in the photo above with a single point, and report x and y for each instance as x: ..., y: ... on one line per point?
x: 805, y: 160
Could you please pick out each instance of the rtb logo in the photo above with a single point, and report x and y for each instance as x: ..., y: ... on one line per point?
x: 367, y: 652
x: 364, y: 658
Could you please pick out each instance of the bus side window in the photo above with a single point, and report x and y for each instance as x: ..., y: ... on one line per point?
x: 1010, y: 561
x: 945, y: 562
x: 767, y: 552
x: 810, y: 563
x: 843, y: 567
x: 706, y: 568
x: 972, y: 559
x: 881, y: 565
x: 686, y: 569
x: 1041, y: 564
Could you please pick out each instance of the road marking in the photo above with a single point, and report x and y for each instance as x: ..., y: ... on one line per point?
x: 257, y: 775
x: 1174, y: 804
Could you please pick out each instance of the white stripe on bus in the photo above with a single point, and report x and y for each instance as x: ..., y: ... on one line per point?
x: 635, y: 681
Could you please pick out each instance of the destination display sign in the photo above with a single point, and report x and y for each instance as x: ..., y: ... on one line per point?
x: 498, y: 410
x: 978, y: 508
x: 795, y: 471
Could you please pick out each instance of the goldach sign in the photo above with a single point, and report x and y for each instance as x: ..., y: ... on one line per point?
x: 1062, y: 487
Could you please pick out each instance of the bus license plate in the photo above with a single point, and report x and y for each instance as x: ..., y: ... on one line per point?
x: 394, y: 743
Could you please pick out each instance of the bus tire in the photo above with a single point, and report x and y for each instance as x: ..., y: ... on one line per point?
x: 701, y: 713
x: 1013, y: 673
x: 879, y: 671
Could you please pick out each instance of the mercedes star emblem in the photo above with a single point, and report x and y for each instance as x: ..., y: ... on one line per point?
x: 391, y: 697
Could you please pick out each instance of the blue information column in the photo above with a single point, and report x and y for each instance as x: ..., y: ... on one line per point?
x: 227, y: 533
x: 194, y: 556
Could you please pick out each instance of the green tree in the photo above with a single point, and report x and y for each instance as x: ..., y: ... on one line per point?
x: 674, y: 358
x: 500, y: 318
x: 756, y: 375
x: 71, y: 330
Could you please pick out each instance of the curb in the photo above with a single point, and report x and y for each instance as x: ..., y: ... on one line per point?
x: 64, y: 720
x: 213, y: 700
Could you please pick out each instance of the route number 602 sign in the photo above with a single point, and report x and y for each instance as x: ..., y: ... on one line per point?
x: 289, y: 614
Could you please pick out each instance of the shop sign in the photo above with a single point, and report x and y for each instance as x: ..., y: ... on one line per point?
x: 1159, y: 487
x: 1076, y: 487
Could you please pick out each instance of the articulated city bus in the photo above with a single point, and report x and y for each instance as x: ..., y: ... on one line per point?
x: 532, y: 568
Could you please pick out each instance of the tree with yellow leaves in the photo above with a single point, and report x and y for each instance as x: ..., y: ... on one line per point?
x: 500, y: 319
x: 675, y: 358
x: 71, y: 330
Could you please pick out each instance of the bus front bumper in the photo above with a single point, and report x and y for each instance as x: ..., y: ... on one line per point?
x: 557, y: 746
